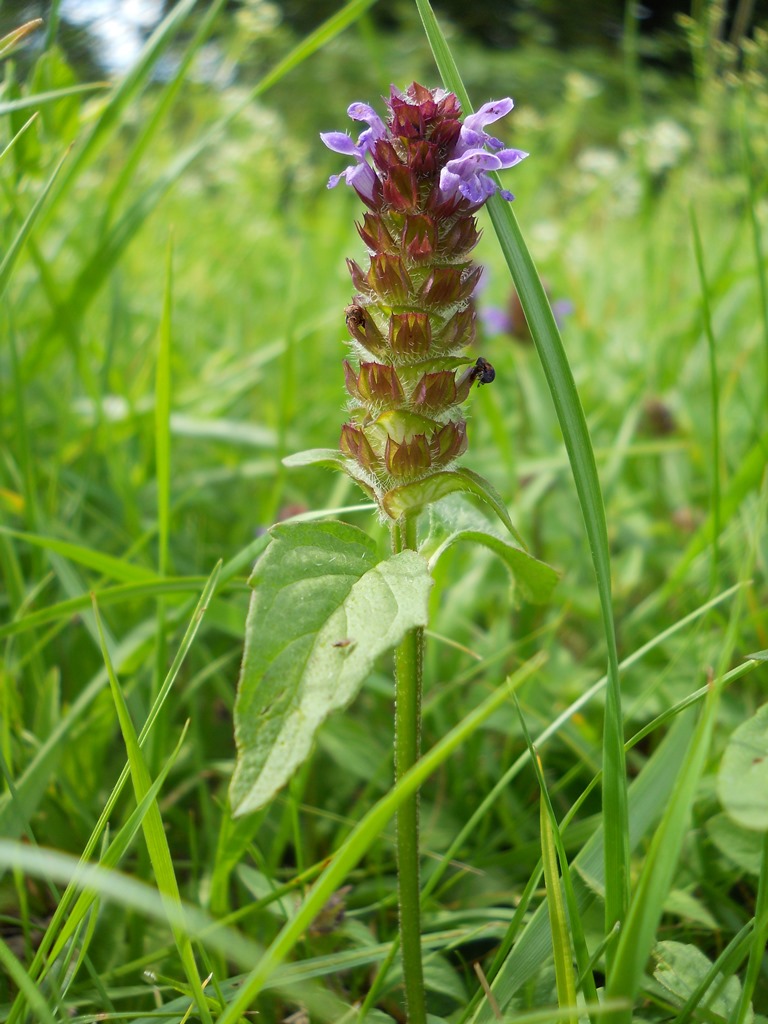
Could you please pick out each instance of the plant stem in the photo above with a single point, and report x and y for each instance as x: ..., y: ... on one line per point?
x: 408, y: 677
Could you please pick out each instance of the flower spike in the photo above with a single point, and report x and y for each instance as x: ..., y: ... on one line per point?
x: 423, y: 173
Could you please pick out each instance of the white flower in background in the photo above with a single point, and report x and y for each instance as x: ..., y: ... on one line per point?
x: 580, y: 87
x: 664, y: 143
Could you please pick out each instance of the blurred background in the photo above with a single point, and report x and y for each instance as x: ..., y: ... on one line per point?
x: 197, y: 149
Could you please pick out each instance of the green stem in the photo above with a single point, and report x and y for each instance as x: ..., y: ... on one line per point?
x: 408, y: 674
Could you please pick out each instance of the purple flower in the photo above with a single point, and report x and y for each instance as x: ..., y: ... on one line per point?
x: 423, y: 172
x: 472, y: 135
x: 359, y: 175
x: 464, y: 163
x: 469, y: 174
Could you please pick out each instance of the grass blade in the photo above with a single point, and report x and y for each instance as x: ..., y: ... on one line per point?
x: 27, y: 988
x: 551, y: 841
x: 112, y: 855
x: 107, y: 565
x: 561, y: 944
x: 40, y: 99
x: 714, y: 385
x: 154, y: 834
x: 9, y: 260
x: 576, y: 435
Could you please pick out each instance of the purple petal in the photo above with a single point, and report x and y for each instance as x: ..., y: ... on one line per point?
x: 362, y: 178
x: 340, y: 142
x: 449, y: 182
x: 478, y: 188
x: 488, y: 113
x: 364, y: 112
x: 510, y: 157
x: 474, y: 161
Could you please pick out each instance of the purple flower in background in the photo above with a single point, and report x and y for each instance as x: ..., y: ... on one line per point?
x: 510, y: 319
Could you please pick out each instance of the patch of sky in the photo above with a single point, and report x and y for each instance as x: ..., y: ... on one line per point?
x: 118, y: 27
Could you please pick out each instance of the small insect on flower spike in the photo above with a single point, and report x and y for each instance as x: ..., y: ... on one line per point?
x: 422, y: 173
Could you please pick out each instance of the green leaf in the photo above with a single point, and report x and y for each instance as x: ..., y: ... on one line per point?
x: 740, y: 846
x: 742, y: 783
x: 412, y: 497
x: 323, y: 609
x: 453, y: 520
x: 681, y: 968
x: 330, y: 458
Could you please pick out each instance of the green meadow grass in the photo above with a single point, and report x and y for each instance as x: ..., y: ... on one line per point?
x: 173, y: 287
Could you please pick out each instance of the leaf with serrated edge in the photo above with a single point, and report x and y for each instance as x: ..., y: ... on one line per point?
x: 323, y: 609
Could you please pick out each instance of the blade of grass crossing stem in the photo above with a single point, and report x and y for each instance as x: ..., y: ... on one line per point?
x: 154, y: 834
x: 553, y: 834
x: 64, y: 610
x: 32, y: 782
x: 714, y: 386
x: 17, y: 136
x: 581, y: 456
x: 9, y: 260
x: 163, y: 477
x: 360, y: 839
x: 40, y: 99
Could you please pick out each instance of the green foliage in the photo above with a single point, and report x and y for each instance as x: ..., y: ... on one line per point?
x: 742, y: 783
x: 142, y: 435
x: 323, y: 609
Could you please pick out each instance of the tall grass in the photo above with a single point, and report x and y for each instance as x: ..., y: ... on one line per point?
x: 173, y: 288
